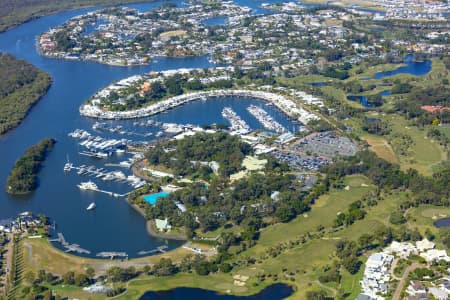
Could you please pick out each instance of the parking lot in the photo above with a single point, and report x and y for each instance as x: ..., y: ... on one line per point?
x: 326, y: 144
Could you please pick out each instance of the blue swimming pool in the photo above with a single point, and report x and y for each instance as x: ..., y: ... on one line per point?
x: 152, y: 198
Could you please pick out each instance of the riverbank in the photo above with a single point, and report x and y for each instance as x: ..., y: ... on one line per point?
x: 282, y: 103
x: 150, y: 224
x: 22, y: 86
x: 151, y: 230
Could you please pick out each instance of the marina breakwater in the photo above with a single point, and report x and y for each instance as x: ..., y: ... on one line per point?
x: 285, y: 105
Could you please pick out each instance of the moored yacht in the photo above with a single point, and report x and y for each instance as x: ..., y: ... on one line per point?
x: 88, y: 185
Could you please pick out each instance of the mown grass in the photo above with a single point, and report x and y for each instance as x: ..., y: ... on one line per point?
x: 424, y: 152
x: 381, y: 147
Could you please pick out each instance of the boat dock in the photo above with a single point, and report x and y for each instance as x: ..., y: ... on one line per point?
x: 112, y: 255
x: 69, y: 247
x: 265, y: 119
x: 237, y: 123
x: 160, y: 249
x: 106, y: 175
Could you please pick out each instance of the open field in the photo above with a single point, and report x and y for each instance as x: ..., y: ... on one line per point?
x: 40, y: 254
x: 424, y: 216
x: 424, y: 152
x: 445, y: 129
x: 381, y: 147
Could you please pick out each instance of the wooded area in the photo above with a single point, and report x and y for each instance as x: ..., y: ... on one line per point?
x: 21, y: 86
x: 23, y: 176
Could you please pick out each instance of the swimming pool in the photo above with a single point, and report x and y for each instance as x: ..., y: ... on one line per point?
x: 152, y: 198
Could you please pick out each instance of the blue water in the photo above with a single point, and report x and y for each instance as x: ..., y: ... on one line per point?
x: 444, y: 222
x: 412, y: 67
x: 114, y: 225
x: 153, y: 198
x: 274, y: 292
x: 363, y: 99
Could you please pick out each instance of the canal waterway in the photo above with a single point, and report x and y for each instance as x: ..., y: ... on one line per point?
x: 113, y: 225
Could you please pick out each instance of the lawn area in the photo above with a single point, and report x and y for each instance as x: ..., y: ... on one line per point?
x: 74, y: 292
x: 222, y: 283
x: 424, y: 216
x: 44, y: 256
x: 39, y: 254
x: 445, y: 129
x: 424, y: 153
x: 381, y: 147
x: 323, y: 213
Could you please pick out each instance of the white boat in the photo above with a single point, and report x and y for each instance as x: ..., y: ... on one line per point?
x: 89, y: 185
x: 91, y: 206
x: 67, y: 167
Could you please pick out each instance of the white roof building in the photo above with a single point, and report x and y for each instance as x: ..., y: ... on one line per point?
x: 402, y: 250
x: 424, y: 245
x: 162, y: 225
x: 434, y: 254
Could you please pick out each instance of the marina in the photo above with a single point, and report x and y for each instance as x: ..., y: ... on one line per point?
x: 104, y: 127
x: 97, y: 146
x: 265, y: 119
x: 237, y: 124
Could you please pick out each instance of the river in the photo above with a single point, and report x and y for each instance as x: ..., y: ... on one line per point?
x: 114, y: 225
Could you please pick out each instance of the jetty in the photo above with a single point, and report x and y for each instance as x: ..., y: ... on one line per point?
x: 237, y: 123
x: 106, y: 175
x: 112, y: 254
x: 265, y: 119
x: 69, y: 247
x: 160, y: 249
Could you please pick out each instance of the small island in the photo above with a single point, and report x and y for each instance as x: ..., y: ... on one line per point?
x: 23, y: 177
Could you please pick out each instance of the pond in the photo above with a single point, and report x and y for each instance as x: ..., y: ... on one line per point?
x: 274, y: 292
x: 444, y: 222
x: 364, y: 100
x: 412, y: 67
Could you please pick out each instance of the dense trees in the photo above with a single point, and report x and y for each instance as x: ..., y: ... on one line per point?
x: 23, y: 176
x: 189, y: 154
x: 21, y: 86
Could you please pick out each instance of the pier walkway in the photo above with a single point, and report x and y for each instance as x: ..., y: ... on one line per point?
x: 69, y: 247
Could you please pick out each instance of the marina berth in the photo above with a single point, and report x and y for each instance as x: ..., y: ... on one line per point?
x: 238, y: 125
x: 267, y: 121
x: 284, y: 104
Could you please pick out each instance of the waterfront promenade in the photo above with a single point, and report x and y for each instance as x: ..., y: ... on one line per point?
x: 281, y: 102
